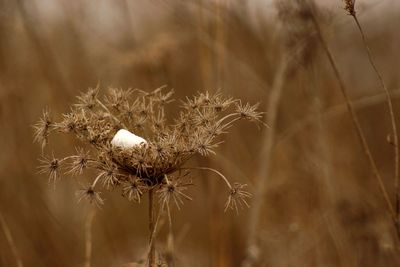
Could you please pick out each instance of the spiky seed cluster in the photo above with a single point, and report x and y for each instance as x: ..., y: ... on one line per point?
x: 94, y: 120
x: 349, y: 7
x: 42, y: 129
x: 238, y: 197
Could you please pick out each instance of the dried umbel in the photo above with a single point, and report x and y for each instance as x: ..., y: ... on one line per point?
x: 166, y: 144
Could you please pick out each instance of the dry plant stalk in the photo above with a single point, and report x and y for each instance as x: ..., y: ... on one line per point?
x: 354, y: 118
x: 350, y: 8
x: 10, y: 240
x: 88, y: 237
x: 158, y: 168
x: 298, y: 39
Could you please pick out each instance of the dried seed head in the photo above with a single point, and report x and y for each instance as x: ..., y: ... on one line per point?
x: 88, y: 100
x: 50, y: 166
x: 174, y: 190
x: 349, y: 7
x: 249, y: 112
x: 168, y: 145
x: 163, y: 99
x: 109, y: 175
x: 134, y: 189
x: 88, y: 193
x: 118, y: 98
x: 204, y: 144
x: 237, y: 197
x: 79, y: 162
x: 43, y: 128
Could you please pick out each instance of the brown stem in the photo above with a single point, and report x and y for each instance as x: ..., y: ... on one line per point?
x: 392, y: 118
x: 10, y: 240
x: 152, y: 253
x: 88, y: 237
x: 356, y: 123
x: 264, y: 171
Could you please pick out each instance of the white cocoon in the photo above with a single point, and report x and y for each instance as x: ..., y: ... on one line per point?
x: 126, y: 139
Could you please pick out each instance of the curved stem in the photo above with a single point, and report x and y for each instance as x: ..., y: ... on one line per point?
x: 212, y: 170
x: 231, y: 122
x: 96, y: 180
x: 392, y: 117
x: 226, y: 117
x: 355, y: 121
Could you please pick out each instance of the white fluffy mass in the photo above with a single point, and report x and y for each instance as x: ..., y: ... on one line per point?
x: 126, y: 139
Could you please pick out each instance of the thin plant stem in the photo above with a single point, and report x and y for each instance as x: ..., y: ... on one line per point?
x: 391, y: 112
x: 152, y: 251
x: 88, y: 237
x: 354, y: 119
x: 154, y: 232
x: 170, y: 249
x: 10, y: 241
x: 212, y: 170
x: 265, y: 170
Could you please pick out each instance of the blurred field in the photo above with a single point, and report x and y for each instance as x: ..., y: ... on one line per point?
x: 322, y: 205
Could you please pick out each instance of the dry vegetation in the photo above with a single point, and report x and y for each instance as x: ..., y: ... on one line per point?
x: 324, y: 177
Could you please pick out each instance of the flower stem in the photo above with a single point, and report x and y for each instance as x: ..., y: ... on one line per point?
x: 152, y: 253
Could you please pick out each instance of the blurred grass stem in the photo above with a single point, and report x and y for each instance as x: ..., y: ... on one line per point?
x: 355, y: 120
x: 10, y: 240
x: 392, y: 118
x: 88, y: 237
x: 265, y: 169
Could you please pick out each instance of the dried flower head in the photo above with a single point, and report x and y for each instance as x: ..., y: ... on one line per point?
x: 237, y: 197
x: 106, y: 122
x: 88, y: 100
x: 349, y: 7
x: 91, y: 195
x: 79, y: 162
x: 174, y: 190
x: 134, y: 188
x: 43, y: 128
x: 50, y: 166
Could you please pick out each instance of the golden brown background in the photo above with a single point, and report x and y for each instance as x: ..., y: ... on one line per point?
x: 321, y: 205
